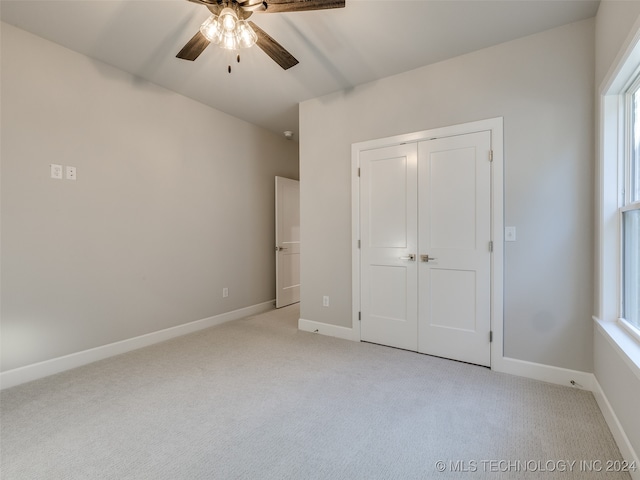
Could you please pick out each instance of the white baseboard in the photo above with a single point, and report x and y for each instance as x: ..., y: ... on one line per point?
x: 325, y: 329
x: 17, y: 376
x: 513, y: 366
x: 536, y: 371
x: 545, y: 373
x: 586, y: 381
x: 626, y: 449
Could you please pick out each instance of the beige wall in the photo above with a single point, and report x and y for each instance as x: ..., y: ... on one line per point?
x: 543, y: 87
x: 619, y: 382
x: 613, y: 24
x: 173, y: 202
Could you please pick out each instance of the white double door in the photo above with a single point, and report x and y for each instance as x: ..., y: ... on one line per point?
x: 425, y: 227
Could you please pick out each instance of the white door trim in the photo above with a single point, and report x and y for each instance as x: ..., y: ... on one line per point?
x: 287, y: 229
x: 495, y: 125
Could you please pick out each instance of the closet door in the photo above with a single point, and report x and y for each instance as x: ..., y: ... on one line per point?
x: 454, y: 185
x: 388, y: 255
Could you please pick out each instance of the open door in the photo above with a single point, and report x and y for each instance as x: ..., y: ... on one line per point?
x: 287, y: 242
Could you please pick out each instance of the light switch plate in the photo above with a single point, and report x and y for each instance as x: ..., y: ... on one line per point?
x: 509, y: 234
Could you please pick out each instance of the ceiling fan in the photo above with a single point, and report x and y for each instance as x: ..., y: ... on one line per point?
x: 228, y: 26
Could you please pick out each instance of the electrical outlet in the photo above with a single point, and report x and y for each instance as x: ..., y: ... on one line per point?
x: 325, y: 301
x: 71, y: 173
x: 225, y: 292
x: 56, y: 171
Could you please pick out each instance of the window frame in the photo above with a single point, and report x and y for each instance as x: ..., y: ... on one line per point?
x: 632, y: 88
x: 610, y: 165
x: 626, y: 202
x: 630, y: 328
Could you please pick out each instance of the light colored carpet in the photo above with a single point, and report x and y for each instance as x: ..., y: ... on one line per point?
x: 258, y: 399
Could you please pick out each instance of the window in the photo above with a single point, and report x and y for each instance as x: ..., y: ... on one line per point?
x: 631, y: 267
x: 618, y: 205
x: 629, y: 211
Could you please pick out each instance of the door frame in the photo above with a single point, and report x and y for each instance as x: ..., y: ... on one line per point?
x: 495, y: 126
x: 278, y: 241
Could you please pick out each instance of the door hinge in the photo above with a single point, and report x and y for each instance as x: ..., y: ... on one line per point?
x: 358, y: 171
x: 491, y: 155
x: 359, y: 316
x: 491, y: 245
x: 358, y: 243
x: 490, y: 336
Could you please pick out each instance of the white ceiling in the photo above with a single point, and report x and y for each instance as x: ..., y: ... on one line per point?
x: 337, y: 49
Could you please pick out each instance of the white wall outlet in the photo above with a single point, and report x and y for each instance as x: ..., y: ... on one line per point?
x: 325, y: 301
x: 509, y: 234
x: 225, y: 292
x: 56, y: 171
x: 71, y: 173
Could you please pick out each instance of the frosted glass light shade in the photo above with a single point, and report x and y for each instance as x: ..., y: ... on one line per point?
x: 246, y: 36
x: 229, y: 41
x: 227, y: 31
x: 211, y: 29
x: 228, y: 19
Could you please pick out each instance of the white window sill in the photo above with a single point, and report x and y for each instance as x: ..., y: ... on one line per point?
x: 623, y: 341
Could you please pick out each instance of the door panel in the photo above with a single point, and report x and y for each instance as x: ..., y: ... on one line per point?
x: 388, y: 203
x: 388, y: 200
x: 387, y: 318
x: 454, y: 184
x: 287, y: 241
x: 459, y: 314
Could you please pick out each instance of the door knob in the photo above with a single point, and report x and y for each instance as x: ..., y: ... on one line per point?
x: 426, y: 258
x: 279, y: 249
x: 411, y: 257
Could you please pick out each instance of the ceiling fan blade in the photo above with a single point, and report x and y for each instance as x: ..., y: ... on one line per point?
x: 272, y: 48
x: 194, y: 47
x: 277, y: 6
x: 213, y: 5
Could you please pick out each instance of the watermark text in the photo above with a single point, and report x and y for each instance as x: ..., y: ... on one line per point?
x: 537, y: 466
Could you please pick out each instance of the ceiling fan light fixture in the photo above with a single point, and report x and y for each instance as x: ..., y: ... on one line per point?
x: 227, y: 26
x: 229, y: 41
x: 246, y: 36
x: 228, y: 31
x: 228, y: 19
x: 211, y: 29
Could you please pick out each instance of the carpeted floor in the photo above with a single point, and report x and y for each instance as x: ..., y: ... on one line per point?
x: 258, y: 399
